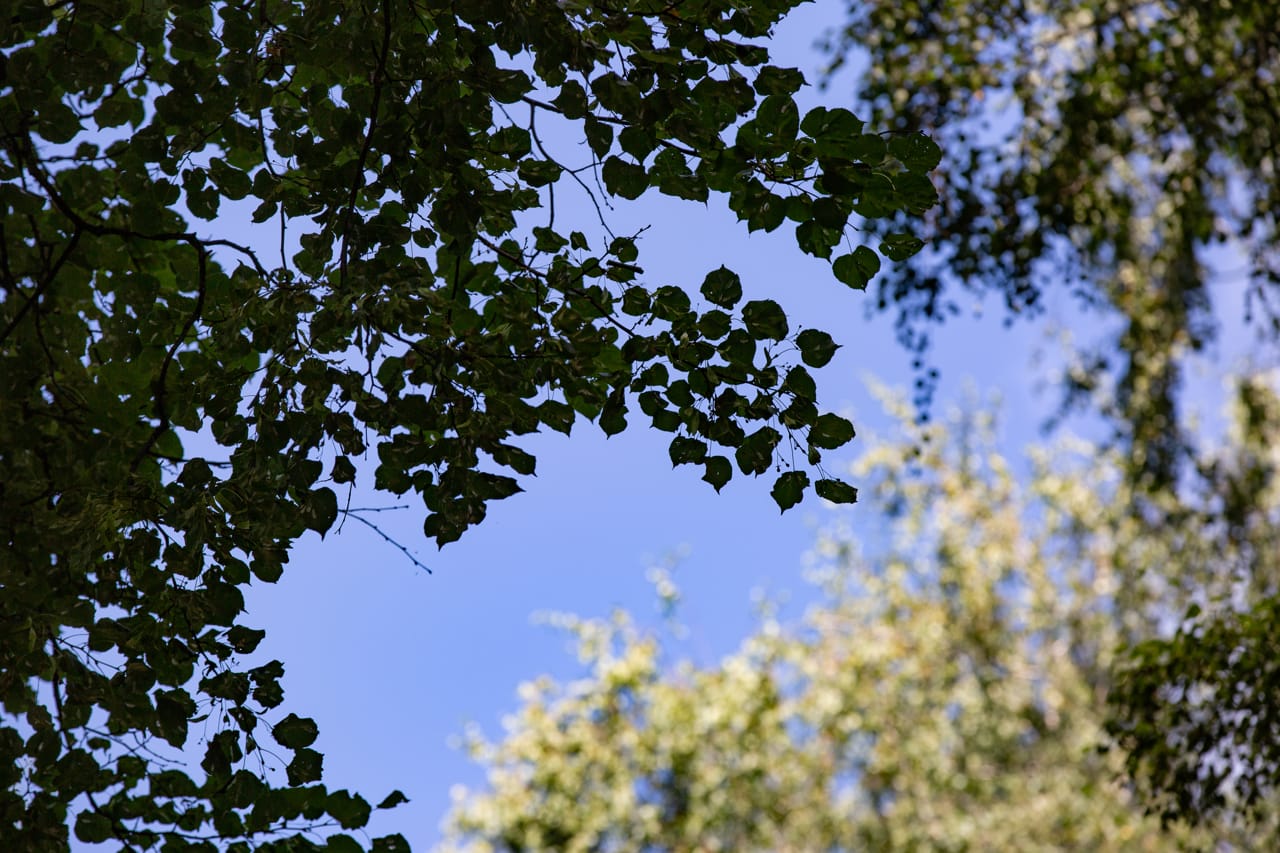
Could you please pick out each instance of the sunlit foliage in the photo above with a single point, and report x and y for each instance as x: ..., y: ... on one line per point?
x: 948, y: 692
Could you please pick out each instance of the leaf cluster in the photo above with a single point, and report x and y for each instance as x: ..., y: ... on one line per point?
x: 415, y: 315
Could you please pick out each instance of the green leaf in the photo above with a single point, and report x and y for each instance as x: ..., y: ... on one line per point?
x: 764, y: 212
x: 572, y: 100
x: 267, y: 691
x: 738, y: 348
x: 264, y: 211
x: 392, y: 800
x: 223, y: 751
x: 817, y: 239
x: 714, y: 325
x: 836, y: 125
x: 899, y: 247
x: 778, y: 81
x: 599, y: 136
x: 233, y: 182
x: 916, y: 192
x: 244, y: 789
x: 342, y: 843
x: 557, y: 415
x: 321, y: 510
x: 856, y: 269
x: 836, y: 491
x: 92, y: 827
x: 816, y: 347
x: 307, y: 766
x: 244, y: 640
x: 537, y: 173
x: 717, y: 471
x: 390, y: 844
x: 778, y: 120
x: 343, y: 470
x: 800, y: 383
x: 879, y: 197
x: 870, y: 148
x: 764, y: 318
x: 508, y: 85
x: 687, y: 450
x: 722, y: 287
x: 514, y: 458
x: 756, y: 453
x: 670, y: 303
x: 637, y: 141
x: 830, y: 431
x: 624, y: 249
x: 295, y: 732
x: 116, y: 111
x: 613, y: 415
x: 624, y: 179
x: 788, y: 489
x: 57, y: 123
x: 830, y: 213
x: 636, y: 301
x: 916, y: 151
x: 617, y: 94
x: 548, y: 240
x: 350, y: 810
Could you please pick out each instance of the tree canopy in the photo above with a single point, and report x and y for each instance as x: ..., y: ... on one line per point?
x: 179, y: 402
x: 949, y: 692
x: 1099, y: 146
x: 1118, y: 151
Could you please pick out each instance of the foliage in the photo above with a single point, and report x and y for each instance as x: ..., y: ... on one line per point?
x: 1101, y: 145
x: 427, y: 307
x: 947, y: 694
x: 1196, y: 712
x: 1116, y: 148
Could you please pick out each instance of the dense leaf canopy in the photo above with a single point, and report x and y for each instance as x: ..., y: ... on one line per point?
x: 407, y: 294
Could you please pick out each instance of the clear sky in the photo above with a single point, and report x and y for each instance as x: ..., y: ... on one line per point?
x: 393, y: 663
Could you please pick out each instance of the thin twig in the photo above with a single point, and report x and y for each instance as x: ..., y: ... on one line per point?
x: 353, y: 513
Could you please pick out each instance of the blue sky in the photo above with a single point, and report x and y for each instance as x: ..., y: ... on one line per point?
x: 393, y: 663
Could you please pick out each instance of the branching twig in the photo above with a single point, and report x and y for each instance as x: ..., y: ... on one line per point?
x: 354, y: 513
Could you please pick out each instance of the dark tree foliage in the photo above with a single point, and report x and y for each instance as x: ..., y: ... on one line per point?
x: 424, y: 308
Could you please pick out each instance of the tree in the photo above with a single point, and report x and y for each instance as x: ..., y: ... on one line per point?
x: 946, y: 694
x: 1097, y: 145
x: 401, y: 155
x: 1195, y: 710
x: 1112, y: 148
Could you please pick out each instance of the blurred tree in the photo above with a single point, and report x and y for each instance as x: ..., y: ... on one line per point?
x: 1107, y: 147
x: 947, y: 694
x: 412, y: 291
x: 1196, y: 712
x: 1098, y: 145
